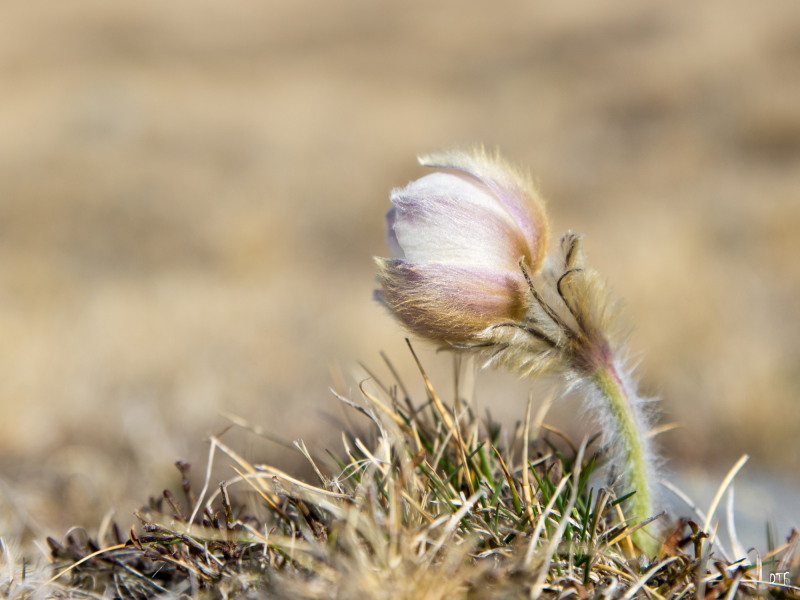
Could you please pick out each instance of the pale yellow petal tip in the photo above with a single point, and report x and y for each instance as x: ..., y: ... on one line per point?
x: 475, y: 157
x: 453, y: 156
x: 380, y: 262
x: 480, y: 163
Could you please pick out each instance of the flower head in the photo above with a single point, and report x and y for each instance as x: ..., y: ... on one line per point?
x: 458, y: 237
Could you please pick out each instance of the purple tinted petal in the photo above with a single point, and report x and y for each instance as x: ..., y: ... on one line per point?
x: 391, y: 235
x: 449, y: 303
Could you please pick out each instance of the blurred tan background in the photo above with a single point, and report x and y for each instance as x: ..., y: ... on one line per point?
x: 191, y: 194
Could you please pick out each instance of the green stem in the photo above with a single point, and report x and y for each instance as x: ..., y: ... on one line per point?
x: 635, y: 455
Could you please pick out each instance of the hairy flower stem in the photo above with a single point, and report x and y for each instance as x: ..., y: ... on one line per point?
x: 621, y: 405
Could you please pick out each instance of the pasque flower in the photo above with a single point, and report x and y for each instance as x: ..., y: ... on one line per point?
x: 459, y: 236
x: 469, y: 241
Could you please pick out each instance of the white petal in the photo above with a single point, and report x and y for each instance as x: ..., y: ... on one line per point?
x: 448, y: 218
x: 515, y: 192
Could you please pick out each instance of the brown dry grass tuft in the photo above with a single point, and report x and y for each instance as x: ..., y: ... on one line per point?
x: 431, y: 503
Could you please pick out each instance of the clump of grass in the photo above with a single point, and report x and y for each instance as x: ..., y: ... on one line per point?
x: 434, y: 503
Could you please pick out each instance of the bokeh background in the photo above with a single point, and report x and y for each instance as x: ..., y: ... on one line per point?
x: 191, y: 193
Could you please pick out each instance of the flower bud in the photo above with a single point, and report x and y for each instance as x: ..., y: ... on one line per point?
x: 458, y: 237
